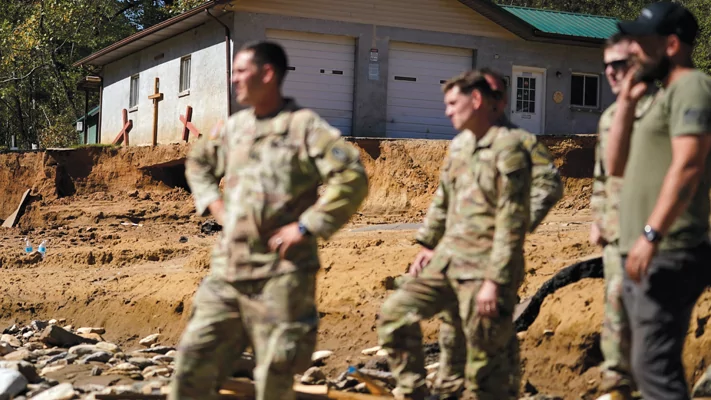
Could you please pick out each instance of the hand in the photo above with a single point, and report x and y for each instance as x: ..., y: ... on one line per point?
x: 217, y: 209
x: 486, y: 299
x: 631, y: 90
x: 421, y: 260
x: 639, y: 258
x: 285, y: 238
x: 596, y: 236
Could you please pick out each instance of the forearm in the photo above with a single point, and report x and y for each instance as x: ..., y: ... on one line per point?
x: 679, y: 187
x: 620, y: 136
x: 435, y: 221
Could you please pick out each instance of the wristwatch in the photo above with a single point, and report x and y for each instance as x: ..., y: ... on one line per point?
x: 303, y: 230
x: 651, y: 235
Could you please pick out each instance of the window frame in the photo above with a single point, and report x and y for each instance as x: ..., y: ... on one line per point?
x: 586, y: 75
x: 181, y: 88
x: 133, y: 94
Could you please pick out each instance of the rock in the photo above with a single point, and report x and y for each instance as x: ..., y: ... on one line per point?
x: 319, y: 356
x: 51, y: 368
x: 98, y: 331
x: 37, y: 389
x: 83, y: 349
x: 313, y: 376
x: 64, y: 391
x: 149, y: 340
x: 23, y: 367
x: 88, y: 388
x: 172, y: 353
x: 28, y: 335
x: 126, y: 369
x: 62, y: 320
x: 379, y: 362
x: 156, y: 370
x: 11, y: 330
x: 32, y: 346
x: 210, y: 226
x: 69, y: 328
x: 163, y: 359
x: 156, y: 350
x: 432, y: 367
x: 38, y: 325
x: 108, y: 347
x: 5, y: 349
x: 52, y: 322
x: 56, y: 336
x: 702, y: 387
x: 12, y: 382
x: 11, y: 340
x: 56, y: 358
x: 361, y: 388
x: 141, y: 362
x: 20, y: 354
x: 49, y: 352
x: 382, y: 353
x: 96, y: 371
x: 347, y: 383
x: 92, y: 336
x: 371, y: 351
x: 100, y: 356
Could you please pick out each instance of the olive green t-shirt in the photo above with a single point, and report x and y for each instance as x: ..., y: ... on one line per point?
x: 683, y: 109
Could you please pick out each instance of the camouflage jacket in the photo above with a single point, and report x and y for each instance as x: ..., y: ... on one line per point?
x: 546, y: 184
x: 605, y: 198
x: 272, y: 169
x: 478, y: 219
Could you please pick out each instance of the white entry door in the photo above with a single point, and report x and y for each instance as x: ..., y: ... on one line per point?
x: 321, y: 74
x: 527, y: 98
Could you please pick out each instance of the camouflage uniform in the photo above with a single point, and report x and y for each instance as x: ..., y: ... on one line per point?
x: 476, y: 225
x: 272, y: 169
x: 546, y: 191
x: 604, y: 204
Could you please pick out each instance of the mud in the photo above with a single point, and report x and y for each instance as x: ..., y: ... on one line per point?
x: 114, y: 219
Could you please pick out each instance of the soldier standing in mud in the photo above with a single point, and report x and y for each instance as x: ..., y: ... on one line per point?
x: 664, y: 203
x: 617, y: 381
x: 472, y: 244
x: 546, y: 191
x: 261, y: 287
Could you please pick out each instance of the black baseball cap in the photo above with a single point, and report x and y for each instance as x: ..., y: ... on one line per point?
x: 663, y: 18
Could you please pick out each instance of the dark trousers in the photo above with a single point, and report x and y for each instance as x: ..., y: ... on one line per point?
x: 659, y: 308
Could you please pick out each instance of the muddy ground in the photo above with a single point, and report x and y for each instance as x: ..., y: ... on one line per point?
x: 125, y: 252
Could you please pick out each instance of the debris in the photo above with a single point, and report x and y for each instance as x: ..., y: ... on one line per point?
x: 382, y: 353
x: 157, y: 350
x: 109, y: 347
x: 23, y: 367
x: 12, y: 219
x: 313, y: 376
x: 99, y: 331
x: 319, y: 356
x: 183, y: 239
x: 371, y: 351
x: 56, y: 336
x: 12, y: 382
x: 149, y: 340
x: 64, y: 391
x: 100, y: 356
x: 210, y: 226
x: 11, y: 340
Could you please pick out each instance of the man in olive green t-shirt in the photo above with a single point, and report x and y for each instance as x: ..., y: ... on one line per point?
x: 664, y: 208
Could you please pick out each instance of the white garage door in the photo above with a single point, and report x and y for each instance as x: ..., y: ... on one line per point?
x: 321, y: 74
x: 415, y: 101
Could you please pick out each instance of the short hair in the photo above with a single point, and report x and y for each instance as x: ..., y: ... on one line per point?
x: 469, y: 81
x: 616, y: 38
x: 267, y: 52
x: 498, y: 76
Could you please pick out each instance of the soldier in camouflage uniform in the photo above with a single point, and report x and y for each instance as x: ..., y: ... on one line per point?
x: 260, y: 291
x: 472, y: 247
x: 604, y: 203
x: 546, y: 191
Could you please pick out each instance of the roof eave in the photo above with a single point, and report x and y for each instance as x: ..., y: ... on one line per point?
x: 570, y: 40
x: 146, y: 32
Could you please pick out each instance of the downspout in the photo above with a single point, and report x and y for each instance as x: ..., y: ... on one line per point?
x: 228, y: 58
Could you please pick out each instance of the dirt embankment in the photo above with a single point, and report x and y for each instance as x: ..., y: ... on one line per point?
x: 126, y: 251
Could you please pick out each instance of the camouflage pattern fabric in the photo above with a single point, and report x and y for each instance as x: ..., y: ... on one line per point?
x: 476, y: 225
x: 272, y: 168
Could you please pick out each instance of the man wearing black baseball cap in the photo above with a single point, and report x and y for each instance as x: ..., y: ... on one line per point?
x: 664, y: 207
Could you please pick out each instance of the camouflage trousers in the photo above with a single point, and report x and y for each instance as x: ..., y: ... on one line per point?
x: 487, y: 361
x: 277, y: 317
x: 615, y: 338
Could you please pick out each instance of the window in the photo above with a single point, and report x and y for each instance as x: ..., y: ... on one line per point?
x: 585, y: 90
x: 184, y: 73
x: 526, y: 94
x: 133, y: 95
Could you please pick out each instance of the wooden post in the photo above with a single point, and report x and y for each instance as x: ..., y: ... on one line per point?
x: 86, y: 116
x: 156, y: 97
x: 187, y: 125
x: 123, y: 134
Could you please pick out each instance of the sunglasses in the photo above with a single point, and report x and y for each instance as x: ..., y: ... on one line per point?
x: 617, y: 64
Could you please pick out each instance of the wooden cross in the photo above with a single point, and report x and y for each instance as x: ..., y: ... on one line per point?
x: 156, y: 97
x: 123, y: 134
x: 187, y: 125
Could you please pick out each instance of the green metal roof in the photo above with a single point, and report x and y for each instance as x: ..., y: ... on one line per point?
x: 91, y: 113
x: 566, y: 23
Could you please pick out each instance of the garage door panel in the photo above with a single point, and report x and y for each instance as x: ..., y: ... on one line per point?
x: 328, y: 93
x: 415, y: 106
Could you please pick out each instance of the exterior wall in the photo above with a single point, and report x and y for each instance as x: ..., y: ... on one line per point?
x: 430, y: 15
x: 369, y: 112
x: 208, y: 88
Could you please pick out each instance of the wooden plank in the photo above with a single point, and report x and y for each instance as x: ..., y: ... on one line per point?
x: 12, y: 219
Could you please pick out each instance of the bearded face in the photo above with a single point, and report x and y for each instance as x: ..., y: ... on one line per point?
x: 649, y: 53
